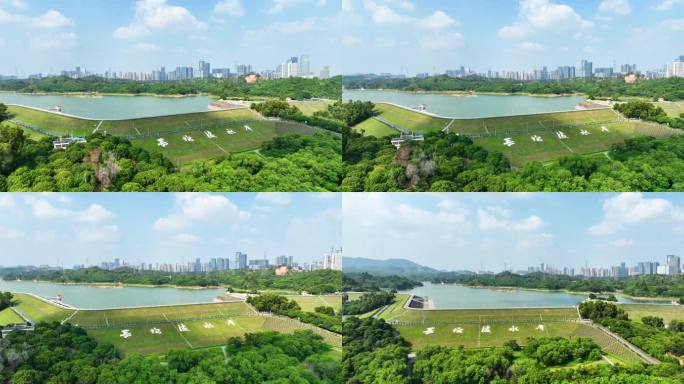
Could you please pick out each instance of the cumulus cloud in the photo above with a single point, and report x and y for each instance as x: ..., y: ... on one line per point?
x: 491, y: 220
x: 187, y: 238
x: 51, y: 19
x: 158, y: 15
x: 278, y: 6
x: 55, y: 41
x: 666, y: 5
x: 231, y: 8
x: 622, y: 243
x: 618, y: 7
x: 199, y: 207
x: 108, y: 233
x: 633, y: 208
x: 546, y: 16
x: 43, y: 208
x: 382, y: 13
x: 274, y: 198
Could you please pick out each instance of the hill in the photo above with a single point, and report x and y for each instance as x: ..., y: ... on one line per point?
x: 399, y: 267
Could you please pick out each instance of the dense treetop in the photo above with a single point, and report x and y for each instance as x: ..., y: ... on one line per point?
x: 366, y: 282
x: 281, y: 305
x: 56, y: 353
x: 448, y: 162
x: 315, y: 282
x: 295, y: 88
x: 111, y: 163
x: 669, y: 89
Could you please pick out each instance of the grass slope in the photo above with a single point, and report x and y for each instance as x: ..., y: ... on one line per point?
x: 308, y: 107
x: 39, y: 310
x: 191, y: 124
x: 8, y: 316
x: 667, y: 312
x: 672, y: 108
x: 522, y: 128
x: 309, y: 303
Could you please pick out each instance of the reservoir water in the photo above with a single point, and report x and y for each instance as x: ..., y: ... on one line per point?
x: 111, y: 107
x: 450, y: 296
x: 468, y: 107
x: 94, y: 297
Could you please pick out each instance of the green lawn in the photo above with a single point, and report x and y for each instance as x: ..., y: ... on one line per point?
x: 182, y: 152
x: 398, y: 313
x: 8, y: 316
x: 151, y: 315
x: 672, y: 108
x: 52, y: 122
x: 308, y: 107
x: 556, y: 322
x: 309, y: 303
x: 39, y: 310
x: 666, y: 312
x: 27, y: 132
x: 523, y: 128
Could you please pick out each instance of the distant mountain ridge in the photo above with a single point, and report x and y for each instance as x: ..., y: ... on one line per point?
x: 400, y: 267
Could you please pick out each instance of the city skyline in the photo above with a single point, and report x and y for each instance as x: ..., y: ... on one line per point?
x: 48, y: 36
x: 67, y: 230
x: 496, y: 232
x: 519, y: 35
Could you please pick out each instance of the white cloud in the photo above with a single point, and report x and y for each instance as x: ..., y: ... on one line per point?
x: 347, y: 6
x: 56, y: 41
x: 489, y: 220
x: 20, y: 4
x: 618, y: 7
x: 11, y: 234
x: 622, y: 243
x: 94, y: 213
x: 200, y: 207
x: 528, y: 47
x: 350, y: 41
x: 666, y: 5
x: 187, y: 238
x: 442, y: 41
x: 144, y: 48
x: 633, y: 208
x: 107, y: 233
x: 42, y: 208
x: 382, y: 13
x: 157, y: 15
x: 278, y: 6
x: 546, y: 16
x: 6, y: 201
x: 540, y: 241
x: 674, y: 25
x: 231, y: 8
x: 51, y: 19
x: 274, y: 198
x: 297, y: 26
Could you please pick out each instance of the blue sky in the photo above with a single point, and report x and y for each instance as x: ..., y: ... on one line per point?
x: 130, y: 35
x: 487, y: 230
x: 410, y: 36
x: 165, y: 227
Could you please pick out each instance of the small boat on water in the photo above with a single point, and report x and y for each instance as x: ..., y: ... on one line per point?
x: 56, y: 108
x: 422, y: 107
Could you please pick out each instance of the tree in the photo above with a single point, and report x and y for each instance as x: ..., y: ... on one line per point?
x: 653, y: 321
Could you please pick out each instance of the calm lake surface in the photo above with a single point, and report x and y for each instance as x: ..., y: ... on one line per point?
x: 467, y: 107
x: 91, y: 297
x: 449, y: 296
x: 111, y: 107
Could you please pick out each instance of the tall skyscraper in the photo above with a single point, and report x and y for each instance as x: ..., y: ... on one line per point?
x: 675, y: 68
x: 304, y: 65
x: 240, y: 260
x: 673, y: 265
x: 586, y: 69
x: 333, y: 259
x: 204, y: 70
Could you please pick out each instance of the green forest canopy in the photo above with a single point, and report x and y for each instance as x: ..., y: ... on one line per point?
x: 294, y: 88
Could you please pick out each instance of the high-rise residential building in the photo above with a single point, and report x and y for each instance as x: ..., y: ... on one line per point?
x: 304, y: 65
x: 603, y: 73
x: 204, y: 70
x: 240, y: 260
x: 220, y: 73
x: 673, y: 265
x: 258, y: 264
x: 566, y: 72
x: 333, y: 259
x: 586, y: 69
x: 291, y: 67
x: 285, y: 260
x: 243, y: 69
x: 325, y: 72
x: 184, y: 73
x: 628, y: 68
x: 675, y: 68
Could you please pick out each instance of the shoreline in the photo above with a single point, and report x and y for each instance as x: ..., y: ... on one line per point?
x: 645, y: 299
x: 97, y: 95
x: 469, y: 93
